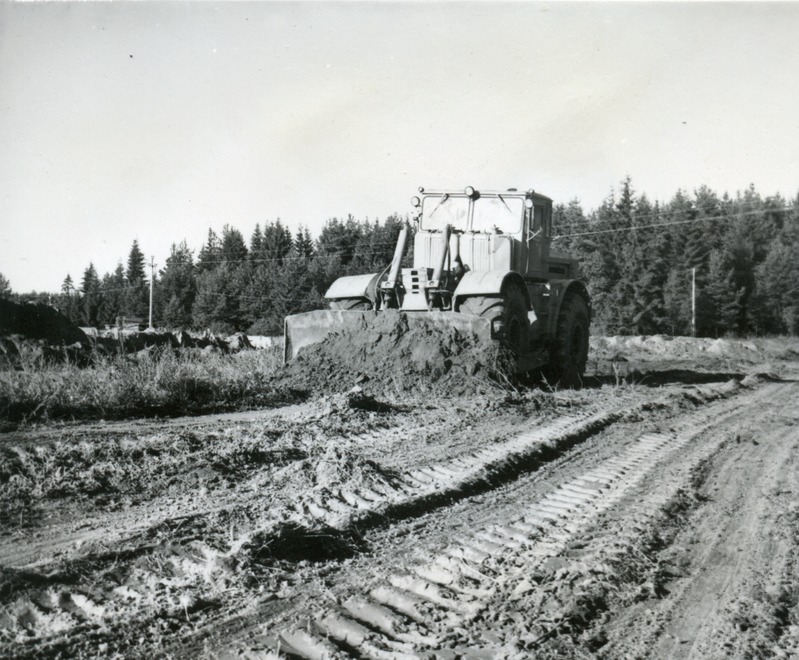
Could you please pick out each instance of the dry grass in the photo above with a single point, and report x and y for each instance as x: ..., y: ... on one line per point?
x: 158, y: 383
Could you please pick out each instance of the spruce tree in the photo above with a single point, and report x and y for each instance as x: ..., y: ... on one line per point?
x: 277, y: 241
x: 303, y: 243
x: 339, y: 238
x: 233, y: 249
x: 720, y: 301
x: 67, y: 286
x: 177, y: 288
x: 114, y: 290
x: 677, y: 302
x: 776, y: 293
x: 217, y: 303
x: 90, y: 288
x: 135, y: 274
x: 256, y: 242
x: 209, y: 257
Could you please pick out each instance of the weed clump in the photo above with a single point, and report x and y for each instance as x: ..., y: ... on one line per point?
x: 156, y: 382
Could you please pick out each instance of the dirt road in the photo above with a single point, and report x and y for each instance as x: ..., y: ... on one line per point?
x: 659, y: 519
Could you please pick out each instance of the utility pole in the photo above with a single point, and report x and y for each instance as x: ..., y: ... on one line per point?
x: 693, y: 301
x: 152, y: 279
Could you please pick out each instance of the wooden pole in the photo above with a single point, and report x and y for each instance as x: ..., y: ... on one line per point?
x: 693, y: 302
x: 152, y: 278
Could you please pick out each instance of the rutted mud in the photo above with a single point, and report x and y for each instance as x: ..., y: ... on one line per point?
x: 598, y: 522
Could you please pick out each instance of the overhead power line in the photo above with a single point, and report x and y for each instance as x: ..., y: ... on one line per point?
x: 698, y: 212
x: 660, y: 224
x: 297, y: 257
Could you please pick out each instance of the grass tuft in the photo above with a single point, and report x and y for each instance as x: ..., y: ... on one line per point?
x: 158, y: 382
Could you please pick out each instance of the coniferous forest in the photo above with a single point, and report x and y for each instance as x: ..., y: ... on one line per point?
x: 638, y: 257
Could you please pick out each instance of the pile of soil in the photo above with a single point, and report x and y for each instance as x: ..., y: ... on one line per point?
x: 392, y: 355
x: 140, y: 342
x: 645, y: 352
x: 42, y: 332
x: 39, y: 321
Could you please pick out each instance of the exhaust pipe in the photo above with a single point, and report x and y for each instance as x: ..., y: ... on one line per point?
x: 396, y: 262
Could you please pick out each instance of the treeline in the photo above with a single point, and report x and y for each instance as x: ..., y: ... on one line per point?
x: 639, y: 259
x: 233, y: 284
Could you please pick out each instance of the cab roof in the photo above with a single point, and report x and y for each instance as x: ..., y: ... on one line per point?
x: 508, y: 191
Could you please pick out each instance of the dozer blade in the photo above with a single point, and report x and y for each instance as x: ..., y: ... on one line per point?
x: 312, y: 327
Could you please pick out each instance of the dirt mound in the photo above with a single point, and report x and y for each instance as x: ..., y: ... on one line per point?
x: 239, y: 342
x: 39, y: 321
x: 392, y: 355
x: 663, y: 351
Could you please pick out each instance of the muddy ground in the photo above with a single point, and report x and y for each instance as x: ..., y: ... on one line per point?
x: 654, y: 513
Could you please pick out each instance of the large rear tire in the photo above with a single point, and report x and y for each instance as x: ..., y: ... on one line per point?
x: 351, y: 304
x: 569, y: 353
x: 511, y: 308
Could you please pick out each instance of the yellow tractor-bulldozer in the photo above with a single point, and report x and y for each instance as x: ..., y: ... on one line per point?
x: 482, y: 264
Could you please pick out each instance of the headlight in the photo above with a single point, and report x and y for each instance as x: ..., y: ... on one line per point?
x: 469, y: 191
x: 415, y: 201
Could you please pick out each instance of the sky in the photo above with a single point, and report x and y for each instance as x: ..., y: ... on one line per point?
x: 157, y: 121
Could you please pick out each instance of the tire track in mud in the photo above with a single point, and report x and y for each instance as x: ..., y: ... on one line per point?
x: 730, y: 575
x: 409, y: 493
x: 419, y: 490
x: 446, y: 595
x: 435, y: 604
x: 50, y: 596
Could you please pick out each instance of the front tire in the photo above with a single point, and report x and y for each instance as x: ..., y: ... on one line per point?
x: 511, y: 308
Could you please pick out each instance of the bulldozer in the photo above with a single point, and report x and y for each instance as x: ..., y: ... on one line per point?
x: 482, y: 263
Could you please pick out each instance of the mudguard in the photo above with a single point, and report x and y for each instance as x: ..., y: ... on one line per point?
x: 488, y: 283
x: 354, y: 286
